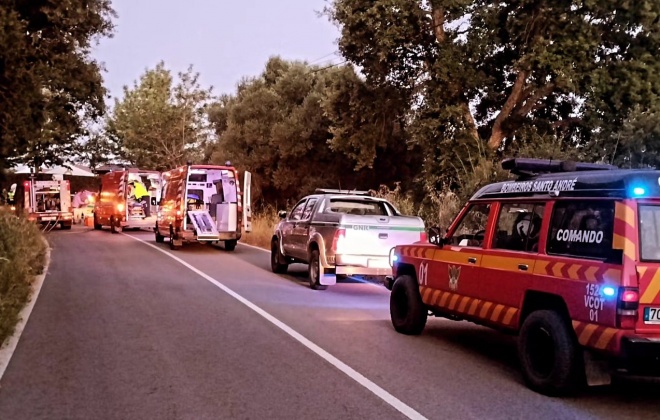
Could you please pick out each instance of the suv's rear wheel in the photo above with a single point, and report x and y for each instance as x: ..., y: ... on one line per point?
x: 277, y: 262
x: 407, y: 311
x: 550, y: 356
x: 315, y: 271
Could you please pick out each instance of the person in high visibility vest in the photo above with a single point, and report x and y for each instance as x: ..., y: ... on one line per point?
x: 142, y: 196
x: 11, y: 194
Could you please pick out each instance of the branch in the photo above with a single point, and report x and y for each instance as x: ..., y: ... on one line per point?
x: 566, y: 122
x: 531, y: 102
x: 497, y: 134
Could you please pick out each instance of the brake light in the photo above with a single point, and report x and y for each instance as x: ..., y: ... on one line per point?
x: 338, y: 240
x: 422, y: 236
x: 627, y: 306
x: 120, y: 207
x: 26, y: 184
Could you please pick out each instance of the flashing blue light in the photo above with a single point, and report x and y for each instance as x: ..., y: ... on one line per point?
x: 639, y: 191
x: 395, y: 258
x: 608, y: 291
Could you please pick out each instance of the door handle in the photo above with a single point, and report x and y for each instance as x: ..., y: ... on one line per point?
x: 523, y: 267
x: 472, y: 260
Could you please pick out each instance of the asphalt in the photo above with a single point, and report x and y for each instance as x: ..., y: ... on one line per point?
x: 122, y: 331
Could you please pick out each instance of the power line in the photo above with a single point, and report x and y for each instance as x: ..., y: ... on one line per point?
x: 325, y: 56
x: 329, y: 66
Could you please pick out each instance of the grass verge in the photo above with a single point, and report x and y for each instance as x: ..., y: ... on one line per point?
x: 263, y: 226
x: 22, y: 253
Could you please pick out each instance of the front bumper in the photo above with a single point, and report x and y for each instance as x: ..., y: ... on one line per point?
x: 640, y: 356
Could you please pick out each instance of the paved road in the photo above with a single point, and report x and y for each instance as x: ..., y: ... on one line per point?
x: 122, y: 331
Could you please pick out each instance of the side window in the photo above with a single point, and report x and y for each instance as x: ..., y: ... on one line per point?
x: 297, y: 211
x: 582, y: 229
x: 519, y: 227
x: 307, y: 213
x: 472, y: 228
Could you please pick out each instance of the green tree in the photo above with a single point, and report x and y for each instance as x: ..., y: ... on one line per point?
x: 158, y: 124
x: 50, y: 87
x: 296, y: 128
x: 480, y: 76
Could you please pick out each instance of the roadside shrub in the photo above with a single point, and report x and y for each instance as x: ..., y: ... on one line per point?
x: 263, y: 226
x: 22, y: 253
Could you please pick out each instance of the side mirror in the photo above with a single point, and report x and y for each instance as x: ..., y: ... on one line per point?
x: 281, y: 214
x: 435, y: 236
x: 153, y: 201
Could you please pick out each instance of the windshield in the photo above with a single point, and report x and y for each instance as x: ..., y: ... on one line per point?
x: 649, y: 229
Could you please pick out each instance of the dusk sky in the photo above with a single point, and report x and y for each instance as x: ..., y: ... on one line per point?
x: 223, y: 39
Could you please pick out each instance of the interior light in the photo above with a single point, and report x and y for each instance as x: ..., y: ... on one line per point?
x: 608, y: 291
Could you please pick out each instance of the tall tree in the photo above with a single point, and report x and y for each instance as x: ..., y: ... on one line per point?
x: 50, y: 87
x: 481, y: 75
x: 160, y: 124
x: 296, y: 128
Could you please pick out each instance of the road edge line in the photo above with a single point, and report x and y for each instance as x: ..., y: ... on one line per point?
x: 381, y: 393
x: 253, y: 246
x: 7, y: 351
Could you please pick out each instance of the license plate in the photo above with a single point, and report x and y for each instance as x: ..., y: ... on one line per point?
x: 48, y: 218
x: 652, y: 315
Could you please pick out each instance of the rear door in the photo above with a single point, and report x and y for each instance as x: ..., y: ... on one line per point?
x: 247, y: 201
x: 648, y: 269
x: 287, y: 226
x: 300, y: 235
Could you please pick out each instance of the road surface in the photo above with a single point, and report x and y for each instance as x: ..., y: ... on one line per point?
x: 123, y: 331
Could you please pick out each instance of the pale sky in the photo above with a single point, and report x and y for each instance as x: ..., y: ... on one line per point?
x: 223, y: 39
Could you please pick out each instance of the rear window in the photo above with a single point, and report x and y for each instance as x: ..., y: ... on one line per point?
x: 357, y: 207
x: 649, y: 232
x: 582, y: 229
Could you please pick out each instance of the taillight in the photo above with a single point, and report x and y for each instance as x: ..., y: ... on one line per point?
x: 422, y: 236
x: 627, y: 306
x: 120, y: 207
x: 340, y: 237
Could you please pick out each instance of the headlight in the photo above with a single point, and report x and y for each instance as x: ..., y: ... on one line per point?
x: 393, y: 257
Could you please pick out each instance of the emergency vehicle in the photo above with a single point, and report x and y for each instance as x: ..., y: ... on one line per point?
x: 48, y: 202
x: 119, y: 204
x: 203, y: 203
x: 567, y: 257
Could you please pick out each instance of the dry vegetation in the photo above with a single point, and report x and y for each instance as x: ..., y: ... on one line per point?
x: 22, y: 253
x: 263, y: 225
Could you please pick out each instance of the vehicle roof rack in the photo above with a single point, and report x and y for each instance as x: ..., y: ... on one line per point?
x: 349, y: 192
x: 527, y: 167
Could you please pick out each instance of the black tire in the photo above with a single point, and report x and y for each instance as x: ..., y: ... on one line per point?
x: 276, y: 258
x: 550, y: 356
x: 113, y: 225
x: 159, y: 238
x: 97, y: 225
x: 315, y: 270
x: 407, y: 311
x: 230, y: 245
x: 65, y: 226
x: 173, y: 247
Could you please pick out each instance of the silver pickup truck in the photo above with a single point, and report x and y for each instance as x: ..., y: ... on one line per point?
x: 341, y: 234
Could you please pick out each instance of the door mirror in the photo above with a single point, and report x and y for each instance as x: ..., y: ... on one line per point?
x: 436, y: 236
x: 282, y: 214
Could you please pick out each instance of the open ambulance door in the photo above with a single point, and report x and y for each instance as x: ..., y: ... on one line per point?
x: 65, y: 197
x: 247, y: 201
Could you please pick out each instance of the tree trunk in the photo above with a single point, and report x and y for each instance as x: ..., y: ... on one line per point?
x: 438, y: 21
x: 497, y: 134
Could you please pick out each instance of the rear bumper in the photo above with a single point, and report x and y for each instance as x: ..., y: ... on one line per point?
x: 190, y: 236
x: 148, y: 222
x: 364, y: 265
x: 640, y: 356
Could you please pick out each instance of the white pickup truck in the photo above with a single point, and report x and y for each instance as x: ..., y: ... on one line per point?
x: 341, y: 234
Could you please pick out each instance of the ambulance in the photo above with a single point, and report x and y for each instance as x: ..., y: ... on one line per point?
x: 48, y: 202
x: 204, y: 203
x: 128, y: 199
x: 566, y: 257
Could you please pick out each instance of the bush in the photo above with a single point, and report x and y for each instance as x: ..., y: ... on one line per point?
x: 263, y: 226
x: 22, y: 254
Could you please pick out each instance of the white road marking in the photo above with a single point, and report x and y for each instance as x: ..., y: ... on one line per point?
x: 390, y: 399
x: 255, y: 247
x: 7, y: 351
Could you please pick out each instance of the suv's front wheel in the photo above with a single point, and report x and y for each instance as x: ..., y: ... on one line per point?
x: 407, y: 310
x: 550, y: 356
